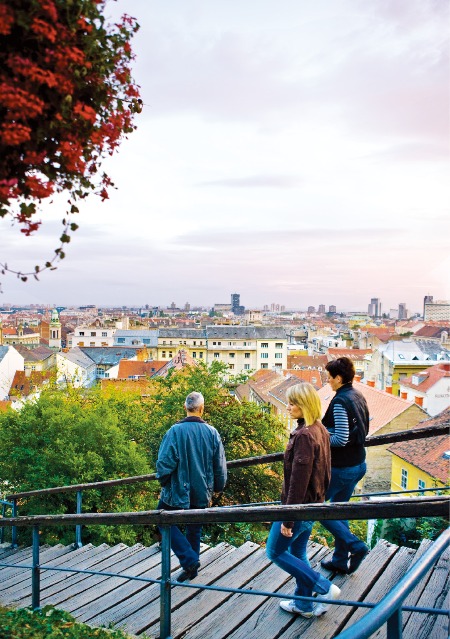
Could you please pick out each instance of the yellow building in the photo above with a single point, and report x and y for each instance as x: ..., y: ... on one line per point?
x: 422, y: 463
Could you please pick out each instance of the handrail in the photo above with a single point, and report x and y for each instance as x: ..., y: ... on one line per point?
x: 406, y: 507
x: 405, y: 435
x: 389, y: 608
x: 374, y: 509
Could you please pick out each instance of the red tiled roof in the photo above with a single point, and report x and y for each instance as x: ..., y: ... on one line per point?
x: 131, y: 368
x: 307, y: 375
x: 429, y: 377
x: 431, y: 331
x: 383, y: 407
x: 426, y: 454
x: 23, y: 385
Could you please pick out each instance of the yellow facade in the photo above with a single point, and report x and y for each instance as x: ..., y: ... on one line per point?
x: 406, y: 476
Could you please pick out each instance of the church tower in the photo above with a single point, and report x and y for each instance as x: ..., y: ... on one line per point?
x: 54, y: 340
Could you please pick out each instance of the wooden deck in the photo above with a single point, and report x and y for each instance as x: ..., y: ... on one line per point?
x: 204, y: 614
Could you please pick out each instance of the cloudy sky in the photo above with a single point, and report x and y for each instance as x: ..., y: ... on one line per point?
x: 296, y: 152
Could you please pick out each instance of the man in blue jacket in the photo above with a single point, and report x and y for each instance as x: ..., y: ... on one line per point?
x: 191, y: 466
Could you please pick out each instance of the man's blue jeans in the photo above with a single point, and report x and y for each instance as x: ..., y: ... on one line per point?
x: 342, y: 485
x: 186, y: 547
x: 289, y: 553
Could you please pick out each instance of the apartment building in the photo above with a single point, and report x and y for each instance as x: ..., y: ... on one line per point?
x: 241, y: 348
x: 95, y: 334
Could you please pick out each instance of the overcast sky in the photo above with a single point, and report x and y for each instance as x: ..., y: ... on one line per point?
x: 295, y: 152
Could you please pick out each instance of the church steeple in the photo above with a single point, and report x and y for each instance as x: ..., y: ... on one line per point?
x: 54, y: 340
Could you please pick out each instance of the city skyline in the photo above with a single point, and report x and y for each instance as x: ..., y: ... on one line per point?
x: 298, y: 156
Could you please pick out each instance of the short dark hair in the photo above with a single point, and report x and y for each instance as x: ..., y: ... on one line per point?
x: 342, y: 366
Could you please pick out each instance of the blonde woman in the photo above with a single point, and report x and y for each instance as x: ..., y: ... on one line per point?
x: 307, y: 471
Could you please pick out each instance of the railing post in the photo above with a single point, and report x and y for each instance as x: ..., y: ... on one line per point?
x: 2, y: 530
x: 36, y: 572
x: 394, y: 625
x: 78, y: 543
x: 165, y: 594
x: 14, y: 528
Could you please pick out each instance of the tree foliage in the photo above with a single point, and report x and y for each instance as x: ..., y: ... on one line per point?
x: 67, y: 99
x: 80, y: 436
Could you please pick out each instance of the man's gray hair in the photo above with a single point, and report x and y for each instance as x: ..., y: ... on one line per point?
x: 194, y: 401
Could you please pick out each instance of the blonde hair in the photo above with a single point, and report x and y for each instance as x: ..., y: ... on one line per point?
x: 305, y: 396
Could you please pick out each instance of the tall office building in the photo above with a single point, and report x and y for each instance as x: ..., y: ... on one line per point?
x: 321, y: 310
x: 374, y: 308
x: 428, y: 299
x: 437, y: 311
x: 236, y: 307
x: 332, y: 308
x: 402, y: 311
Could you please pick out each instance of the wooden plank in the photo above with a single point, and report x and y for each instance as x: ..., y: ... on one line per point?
x: 13, y: 578
x: 49, y: 579
x: 391, y: 575
x: 353, y: 588
x: 435, y: 595
x: 234, y: 609
x: 149, y: 614
x: 413, y: 597
x: 269, y: 621
x: 75, y: 583
x: 24, y: 578
x: 122, y: 589
x: 136, y: 594
x: 95, y: 587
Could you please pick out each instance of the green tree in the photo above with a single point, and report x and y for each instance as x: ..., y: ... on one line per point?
x: 68, y: 438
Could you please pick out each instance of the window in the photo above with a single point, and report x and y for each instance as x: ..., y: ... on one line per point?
x: 247, y: 367
x: 232, y: 355
x: 195, y: 343
x: 121, y: 340
x: 421, y: 484
x: 194, y: 354
x: 278, y: 355
x: 216, y: 355
x: 201, y: 354
x: 80, y: 343
x: 278, y: 366
x: 170, y: 353
x: 264, y: 365
x: 163, y: 354
x: 404, y: 480
x: 264, y: 355
x: 104, y: 334
x: 81, y: 333
x: 93, y: 334
x: 264, y: 344
x: 278, y: 345
x: 146, y: 340
x: 247, y: 355
x: 164, y: 341
x: 91, y: 343
x: 231, y: 366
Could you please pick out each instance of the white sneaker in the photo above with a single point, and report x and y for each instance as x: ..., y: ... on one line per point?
x: 321, y: 608
x: 290, y: 606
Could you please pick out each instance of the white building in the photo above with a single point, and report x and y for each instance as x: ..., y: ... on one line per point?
x: 429, y: 388
x: 95, y: 334
x: 10, y: 362
x: 75, y: 368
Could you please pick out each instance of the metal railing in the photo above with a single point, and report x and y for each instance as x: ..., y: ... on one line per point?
x: 417, y: 433
x: 389, y: 610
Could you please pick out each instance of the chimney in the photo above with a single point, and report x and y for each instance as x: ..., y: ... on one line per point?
x: 388, y: 389
x: 357, y: 378
x: 418, y: 400
x: 404, y: 395
x: 371, y: 382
